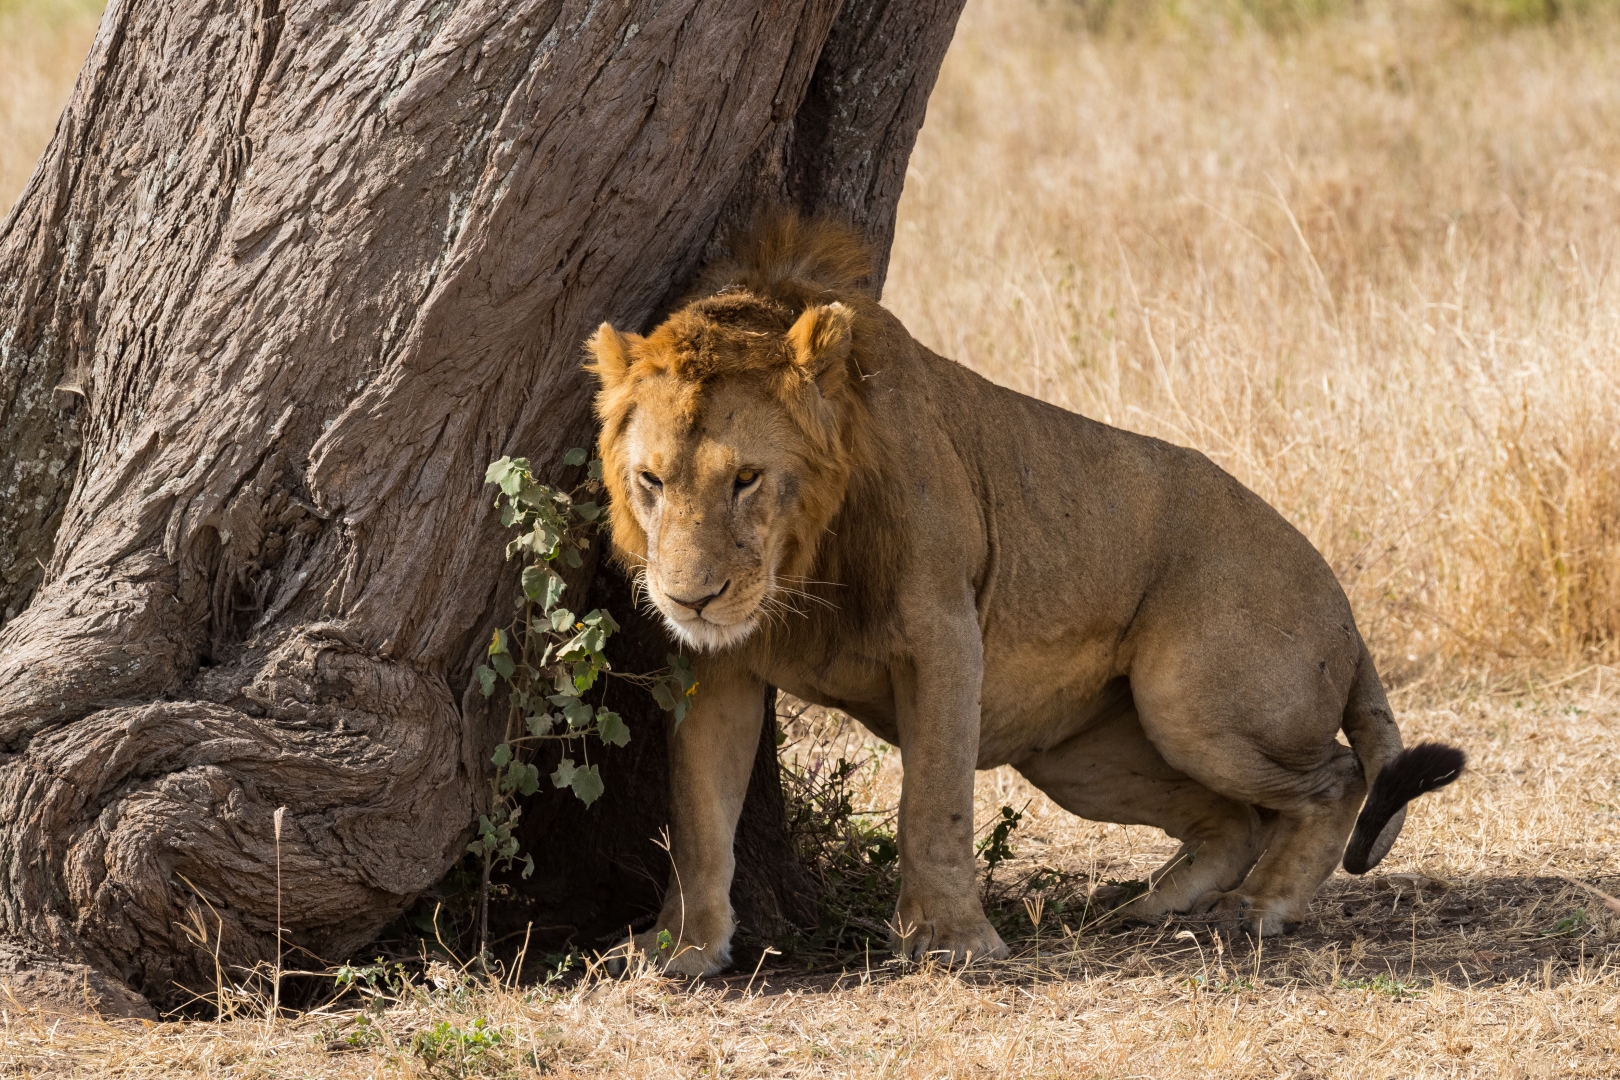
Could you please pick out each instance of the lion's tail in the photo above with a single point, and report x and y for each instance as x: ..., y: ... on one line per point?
x: 1398, y: 775
x: 782, y: 248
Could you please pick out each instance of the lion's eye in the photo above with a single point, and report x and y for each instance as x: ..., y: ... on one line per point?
x: 652, y: 481
x: 746, y: 477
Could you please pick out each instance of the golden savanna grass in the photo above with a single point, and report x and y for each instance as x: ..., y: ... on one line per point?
x: 1363, y: 255
x: 42, y: 44
x: 1369, y: 267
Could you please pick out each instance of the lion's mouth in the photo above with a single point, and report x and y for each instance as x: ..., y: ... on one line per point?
x: 715, y: 627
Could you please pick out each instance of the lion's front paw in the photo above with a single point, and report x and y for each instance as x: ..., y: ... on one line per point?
x: 954, y: 934
x: 1236, y: 910
x: 674, y: 953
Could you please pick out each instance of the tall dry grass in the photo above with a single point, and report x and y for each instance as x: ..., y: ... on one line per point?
x: 1367, y: 263
x: 42, y: 44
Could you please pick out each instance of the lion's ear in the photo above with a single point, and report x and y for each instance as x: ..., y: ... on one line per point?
x: 610, y: 355
x: 820, y: 340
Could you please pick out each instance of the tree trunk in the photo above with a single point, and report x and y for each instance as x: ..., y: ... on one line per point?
x: 287, y: 278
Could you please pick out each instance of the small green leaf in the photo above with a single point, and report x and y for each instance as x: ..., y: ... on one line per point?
x: 562, y: 619
x: 664, y: 940
x: 554, y: 589
x: 595, y: 469
x: 529, y: 781
x: 571, y: 557
x: 534, y: 581
x: 611, y: 727
x: 587, y: 784
x: 588, y: 511
x: 666, y: 699
x: 497, y: 470
x: 539, y: 724
x: 498, y: 642
x: 528, y: 866
x: 682, y: 668
x: 503, y: 664
x: 576, y: 456
x: 503, y: 754
x: 486, y: 679
x: 578, y: 714
x: 564, y: 776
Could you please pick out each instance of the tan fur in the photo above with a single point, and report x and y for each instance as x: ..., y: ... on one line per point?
x: 815, y: 501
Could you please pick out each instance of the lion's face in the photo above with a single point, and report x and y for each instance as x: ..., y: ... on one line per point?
x: 715, y: 500
x: 719, y: 452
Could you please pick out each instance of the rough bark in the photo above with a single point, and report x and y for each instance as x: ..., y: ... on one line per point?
x: 287, y: 277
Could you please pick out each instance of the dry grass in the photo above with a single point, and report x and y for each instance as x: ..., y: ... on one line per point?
x: 1494, y: 967
x: 42, y: 44
x: 1369, y: 267
x: 1366, y: 261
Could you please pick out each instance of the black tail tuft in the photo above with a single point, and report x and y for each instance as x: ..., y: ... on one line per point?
x: 1424, y: 767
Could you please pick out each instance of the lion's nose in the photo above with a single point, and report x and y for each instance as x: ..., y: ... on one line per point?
x: 703, y: 601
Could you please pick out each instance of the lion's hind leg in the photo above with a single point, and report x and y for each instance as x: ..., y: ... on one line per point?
x: 1111, y: 772
x: 1305, y: 844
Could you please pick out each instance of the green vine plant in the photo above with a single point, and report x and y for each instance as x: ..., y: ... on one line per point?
x: 548, y: 659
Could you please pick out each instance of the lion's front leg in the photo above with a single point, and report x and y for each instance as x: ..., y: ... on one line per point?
x: 938, y: 704
x: 711, y: 757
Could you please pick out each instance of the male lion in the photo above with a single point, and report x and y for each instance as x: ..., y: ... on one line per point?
x: 816, y: 501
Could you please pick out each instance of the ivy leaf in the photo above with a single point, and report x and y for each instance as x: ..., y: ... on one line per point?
x: 610, y: 726
x: 534, y: 581
x: 562, y: 619
x: 564, y: 776
x: 539, y: 724
x: 576, y: 456
x: 683, y: 672
x: 554, y: 589
x: 528, y: 866
x: 497, y: 470
x: 571, y: 557
x: 529, y: 782
x: 503, y: 754
x: 596, y: 469
x: 587, y: 784
x: 503, y: 664
x: 486, y: 679
x: 565, y: 688
x: 578, y: 714
x: 588, y: 511
x: 682, y: 704
x: 497, y: 642
x: 661, y: 694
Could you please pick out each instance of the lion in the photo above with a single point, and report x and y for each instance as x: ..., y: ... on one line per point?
x: 815, y: 501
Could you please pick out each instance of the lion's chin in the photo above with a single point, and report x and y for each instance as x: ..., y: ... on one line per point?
x: 704, y: 636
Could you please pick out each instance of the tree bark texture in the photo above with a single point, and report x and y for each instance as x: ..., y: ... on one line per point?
x: 289, y: 275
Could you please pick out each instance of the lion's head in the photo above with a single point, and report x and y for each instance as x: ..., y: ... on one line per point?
x: 726, y: 446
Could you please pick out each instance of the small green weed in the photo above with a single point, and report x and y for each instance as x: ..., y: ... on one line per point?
x: 1570, y: 925
x: 459, y: 1052
x: 1387, y: 985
